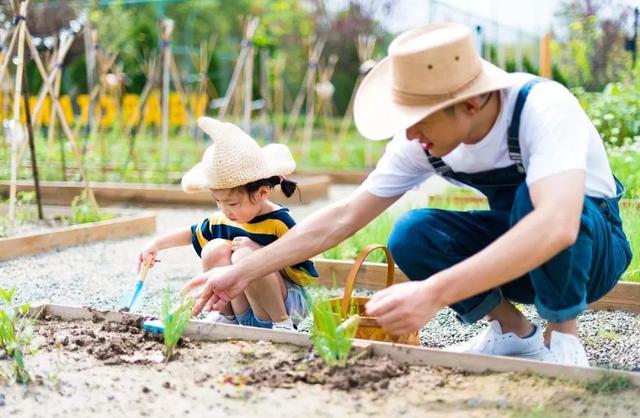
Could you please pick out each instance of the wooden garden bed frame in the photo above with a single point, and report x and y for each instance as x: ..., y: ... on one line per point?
x: 62, y: 193
x: 129, y: 224
x: 338, y: 176
x: 206, y: 331
x: 624, y: 296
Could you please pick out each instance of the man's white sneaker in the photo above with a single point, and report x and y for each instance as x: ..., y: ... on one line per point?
x: 492, y: 341
x: 217, y: 317
x: 566, y: 349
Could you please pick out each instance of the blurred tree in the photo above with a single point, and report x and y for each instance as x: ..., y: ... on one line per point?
x: 592, y: 54
x: 358, y: 18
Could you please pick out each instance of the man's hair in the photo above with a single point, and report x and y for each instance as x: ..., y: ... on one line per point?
x: 451, y: 110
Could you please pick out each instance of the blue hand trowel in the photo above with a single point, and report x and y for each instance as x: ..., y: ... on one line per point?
x: 131, y: 300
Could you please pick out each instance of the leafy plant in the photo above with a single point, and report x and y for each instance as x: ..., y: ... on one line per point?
x: 82, y: 211
x: 174, y: 320
x: 332, y: 339
x: 16, y: 334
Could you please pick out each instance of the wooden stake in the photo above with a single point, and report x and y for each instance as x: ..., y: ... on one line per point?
x: 32, y: 145
x: 545, y: 55
x: 167, y: 29
x: 245, y: 45
x: 63, y: 121
x: 309, y: 80
x: 17, y: 143
x: 365, y: 45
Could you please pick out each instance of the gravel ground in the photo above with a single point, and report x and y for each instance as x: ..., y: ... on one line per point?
x: 99, y: 274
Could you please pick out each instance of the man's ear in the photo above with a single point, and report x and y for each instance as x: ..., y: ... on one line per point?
x: 472, y: 106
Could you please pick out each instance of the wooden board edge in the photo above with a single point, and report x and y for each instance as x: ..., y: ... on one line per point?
x: 201, y: 330
x: 35, y: 243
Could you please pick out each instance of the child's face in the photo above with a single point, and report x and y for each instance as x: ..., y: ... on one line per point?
x: 237, y: 206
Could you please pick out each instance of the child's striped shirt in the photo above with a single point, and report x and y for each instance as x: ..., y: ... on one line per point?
x: 263, y: 229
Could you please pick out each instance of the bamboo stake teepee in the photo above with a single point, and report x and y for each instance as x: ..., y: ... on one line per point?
x: 365, y: 45
x: 245, y: 62
x: 324, y: 92
x: 306, y: 91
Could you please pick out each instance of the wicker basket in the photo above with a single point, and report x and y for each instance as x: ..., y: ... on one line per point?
x: 368, y: 327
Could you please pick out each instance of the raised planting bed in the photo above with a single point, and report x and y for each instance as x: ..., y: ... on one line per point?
x: 624, y: 296
x: 338, y: 176
x: 40, y: 237
x: 94, y: 363
x: 62, y: 193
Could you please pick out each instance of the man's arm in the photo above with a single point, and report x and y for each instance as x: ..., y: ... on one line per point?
x: 551, y: 227
x: 319, y: 231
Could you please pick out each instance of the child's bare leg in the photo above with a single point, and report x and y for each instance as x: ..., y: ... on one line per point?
x: 217, y: 253
x: 266, y: 295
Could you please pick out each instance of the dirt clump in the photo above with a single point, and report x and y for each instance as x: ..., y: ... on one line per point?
x: 371, y: 374
x: 113, y: 342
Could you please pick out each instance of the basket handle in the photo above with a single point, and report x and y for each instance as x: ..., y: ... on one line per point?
x: 353, y: 273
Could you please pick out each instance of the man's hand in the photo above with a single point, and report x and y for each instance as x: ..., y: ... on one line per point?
x: 219, y: 287
x: 404, y: 308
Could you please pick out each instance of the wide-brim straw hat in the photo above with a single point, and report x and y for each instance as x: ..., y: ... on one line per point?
x: 427, y: 69
x: 235, y: 159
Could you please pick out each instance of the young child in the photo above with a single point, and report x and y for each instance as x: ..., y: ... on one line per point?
x: 240, y: 176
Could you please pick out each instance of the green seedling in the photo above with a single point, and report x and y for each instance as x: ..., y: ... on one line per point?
x: 332, y: 339
x: 16, y: 334
x: 174, y: 321
x: 82, y: 211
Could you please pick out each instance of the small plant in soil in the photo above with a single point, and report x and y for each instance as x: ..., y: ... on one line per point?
x: 332, y: 339
x: 174, y: 320
x: 82, y: 211
x: 16, y: 334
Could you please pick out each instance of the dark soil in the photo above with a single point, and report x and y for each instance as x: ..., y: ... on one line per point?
x: 111, y: 342
x: 365, y: 373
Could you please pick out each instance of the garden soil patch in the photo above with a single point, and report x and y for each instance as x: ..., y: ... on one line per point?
x: 95, y: 369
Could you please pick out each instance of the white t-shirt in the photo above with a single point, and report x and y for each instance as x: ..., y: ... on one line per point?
x: 555, y: 135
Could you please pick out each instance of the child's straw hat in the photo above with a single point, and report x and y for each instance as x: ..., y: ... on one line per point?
x: 427, y: 69
x: 235, y: 159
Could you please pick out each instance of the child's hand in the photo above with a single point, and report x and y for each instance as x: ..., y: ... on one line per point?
x: 151, y: 250
x: 244, y: 242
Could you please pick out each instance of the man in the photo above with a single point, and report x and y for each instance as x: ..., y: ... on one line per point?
x: 552, y: 237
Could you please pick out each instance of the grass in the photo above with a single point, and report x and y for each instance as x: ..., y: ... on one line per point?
x: 174, y: 321
x: 609, y: 384
x: 82, y: 211
x: 107, y: 155
x: 16, y: 334
x: 631, y: 224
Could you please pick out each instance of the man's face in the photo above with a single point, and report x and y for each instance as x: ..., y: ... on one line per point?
x: 441, y: 132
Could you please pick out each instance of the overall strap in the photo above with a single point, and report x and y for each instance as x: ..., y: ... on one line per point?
x: 436, y: 162
x: 514, y: 128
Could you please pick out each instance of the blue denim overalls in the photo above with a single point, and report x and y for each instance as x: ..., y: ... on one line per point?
x: 426, y: 241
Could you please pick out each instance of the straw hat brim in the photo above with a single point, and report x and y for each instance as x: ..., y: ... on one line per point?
x: 278, y: 162
x: 377, y: 116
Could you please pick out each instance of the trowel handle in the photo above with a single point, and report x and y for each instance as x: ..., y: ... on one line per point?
x: 146, y: 266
